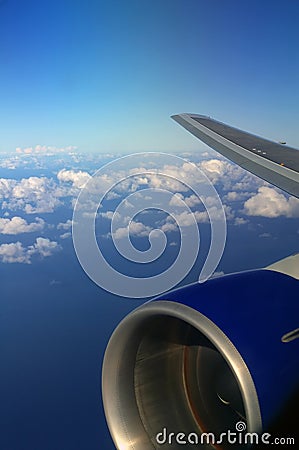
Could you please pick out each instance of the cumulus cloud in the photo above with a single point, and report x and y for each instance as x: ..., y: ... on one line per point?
x: 214, y: 166
x: 191, y: 201
x: 77, y: 178
x: 17, y: 225
x: 269, y: 203
x: 44, y: 247
x: 65, y: 225
x: 229, y: 175
x: 137, y: 229
x: 15, y: 252
x: 66, y: 235
x: 184, y: 219
x: 110, y: 215
x: 240, y: 221
x: 6, y: 186
x: 169, y: 226
x: 234, y: 196
x: 32, y: 195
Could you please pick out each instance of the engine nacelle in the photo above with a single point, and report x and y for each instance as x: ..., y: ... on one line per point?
x: 201, y: 359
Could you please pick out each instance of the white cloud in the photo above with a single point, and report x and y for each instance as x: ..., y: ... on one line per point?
x: 10, y: 163
x: 17, y: 225
x: 77, y: 178
x: 112, y: 215
x: 192, y: 201
x: 45, y: 149
x: 44, y: 247
x: 16, y: 253
x: 134, y: 229
x: 32, y: 195
x: 6, y: 186
x: 185, y: 219
x: 169, y: 226
x: 214, y: 166
x: 65, y: 225
x: 229, y: 175
x: 66, y: 235
x: 240, y: 221
x: 34, y: 186
x: 229, y: 213
x: 139, y: 229
x: 176, y: 200
x: 234, y: 196
x: 269, y: 203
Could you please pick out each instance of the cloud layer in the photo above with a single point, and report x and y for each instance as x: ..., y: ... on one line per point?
x: 16, y: 253
x: 242, y: 194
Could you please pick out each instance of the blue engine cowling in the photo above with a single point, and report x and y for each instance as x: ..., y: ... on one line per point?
x: 202, y: 359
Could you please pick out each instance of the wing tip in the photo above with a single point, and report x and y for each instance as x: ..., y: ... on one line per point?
x: 190, y: 115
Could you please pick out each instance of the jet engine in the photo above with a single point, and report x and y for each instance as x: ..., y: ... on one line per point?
x: 207, y: 358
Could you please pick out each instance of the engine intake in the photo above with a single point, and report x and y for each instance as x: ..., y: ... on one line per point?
x: 170, y: 367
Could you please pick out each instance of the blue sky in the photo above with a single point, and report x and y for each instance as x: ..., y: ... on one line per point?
x: 106, y: 76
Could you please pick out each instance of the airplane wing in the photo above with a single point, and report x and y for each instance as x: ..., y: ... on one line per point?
x: 276, y: 163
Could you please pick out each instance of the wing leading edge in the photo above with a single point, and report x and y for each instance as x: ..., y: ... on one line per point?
x: 273, y: 162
